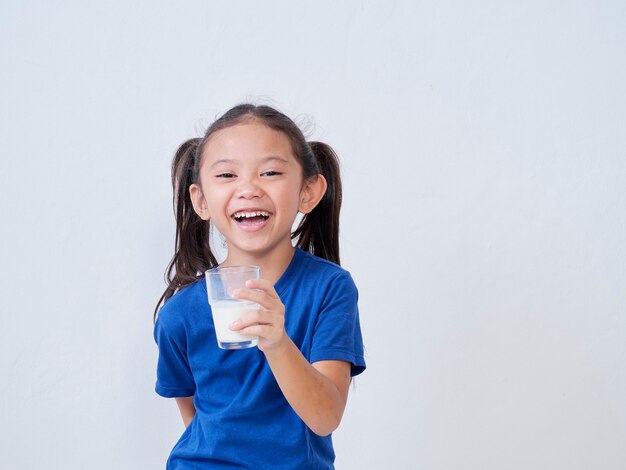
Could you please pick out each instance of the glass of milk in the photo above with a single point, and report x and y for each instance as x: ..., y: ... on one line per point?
x: 220, y: 283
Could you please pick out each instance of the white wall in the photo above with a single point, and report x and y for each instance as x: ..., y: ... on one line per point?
x: 483, y: 151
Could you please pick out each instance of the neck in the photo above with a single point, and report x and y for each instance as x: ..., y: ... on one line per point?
x: 272, y: 264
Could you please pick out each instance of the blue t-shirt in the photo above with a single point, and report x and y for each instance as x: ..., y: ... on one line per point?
x: 242, y: 417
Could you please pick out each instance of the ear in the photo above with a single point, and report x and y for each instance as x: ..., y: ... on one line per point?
x: 312, y: 193
x: 199, y: 203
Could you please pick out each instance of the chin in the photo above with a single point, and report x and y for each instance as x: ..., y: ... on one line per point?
x: 259, y: 250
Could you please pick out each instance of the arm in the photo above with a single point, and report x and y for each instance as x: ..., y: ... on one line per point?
x: 318, y: 392
x: 186, y: 408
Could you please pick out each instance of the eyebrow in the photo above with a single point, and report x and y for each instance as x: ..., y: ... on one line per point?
x: 263, y: 160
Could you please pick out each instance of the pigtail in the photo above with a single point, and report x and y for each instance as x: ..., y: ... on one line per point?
x: 318, y: 231
x: 192, y: 256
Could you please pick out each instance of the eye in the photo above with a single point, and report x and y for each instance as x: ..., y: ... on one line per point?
x: 225, y: 175
x: 271, y: 173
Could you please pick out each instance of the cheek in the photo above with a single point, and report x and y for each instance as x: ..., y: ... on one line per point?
x: 216, y: 200
x: 293, y: 196
x: 215, y: 191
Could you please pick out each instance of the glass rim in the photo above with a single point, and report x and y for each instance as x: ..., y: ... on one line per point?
x: 244, y: 268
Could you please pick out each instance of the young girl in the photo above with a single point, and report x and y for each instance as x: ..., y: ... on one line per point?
x: 272, y: 406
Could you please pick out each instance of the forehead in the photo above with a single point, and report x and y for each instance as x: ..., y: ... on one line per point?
x: 247, y: 140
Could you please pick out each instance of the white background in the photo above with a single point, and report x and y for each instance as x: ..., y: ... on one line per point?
x: 483, y: 147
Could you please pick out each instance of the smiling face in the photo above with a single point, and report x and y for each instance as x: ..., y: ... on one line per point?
x: 251, y: 187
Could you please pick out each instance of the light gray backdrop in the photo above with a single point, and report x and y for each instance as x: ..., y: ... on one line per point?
x: 483, y: 146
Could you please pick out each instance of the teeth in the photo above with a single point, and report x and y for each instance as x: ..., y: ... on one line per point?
x: 244, y: 214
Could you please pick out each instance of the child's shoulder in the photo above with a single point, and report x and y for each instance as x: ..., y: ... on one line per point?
x: 323, y: 263
x: 312, y: 277
x: 326, y: 271
x: 184, y: 301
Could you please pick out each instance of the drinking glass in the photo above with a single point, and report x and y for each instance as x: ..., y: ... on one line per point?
x: 220, y: 283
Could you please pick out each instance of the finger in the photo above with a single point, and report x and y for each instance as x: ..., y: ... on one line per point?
x: 247, y: 320
x: 262, y: 331
x: 262, y: 284
x: 260, y: 297
x: 260, y: 317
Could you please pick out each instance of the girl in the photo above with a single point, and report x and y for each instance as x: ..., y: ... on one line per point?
x: 276, y: 405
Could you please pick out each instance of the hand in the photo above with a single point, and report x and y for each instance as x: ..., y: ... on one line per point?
x: 268, y: 323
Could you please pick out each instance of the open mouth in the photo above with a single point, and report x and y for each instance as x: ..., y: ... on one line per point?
x: 251, y: 217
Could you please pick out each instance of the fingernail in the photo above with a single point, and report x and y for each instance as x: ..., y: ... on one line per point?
x: 234, y: 325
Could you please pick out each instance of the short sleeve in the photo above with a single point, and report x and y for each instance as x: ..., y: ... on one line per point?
x: 174, y: 377
x: 337, y: 334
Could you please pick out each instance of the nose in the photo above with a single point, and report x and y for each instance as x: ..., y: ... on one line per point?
x: 248, y: 189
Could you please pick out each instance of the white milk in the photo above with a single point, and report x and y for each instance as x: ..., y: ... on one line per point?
x: 227, y: 311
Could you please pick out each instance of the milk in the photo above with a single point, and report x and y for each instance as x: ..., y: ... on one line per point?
x: 224, y: 313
